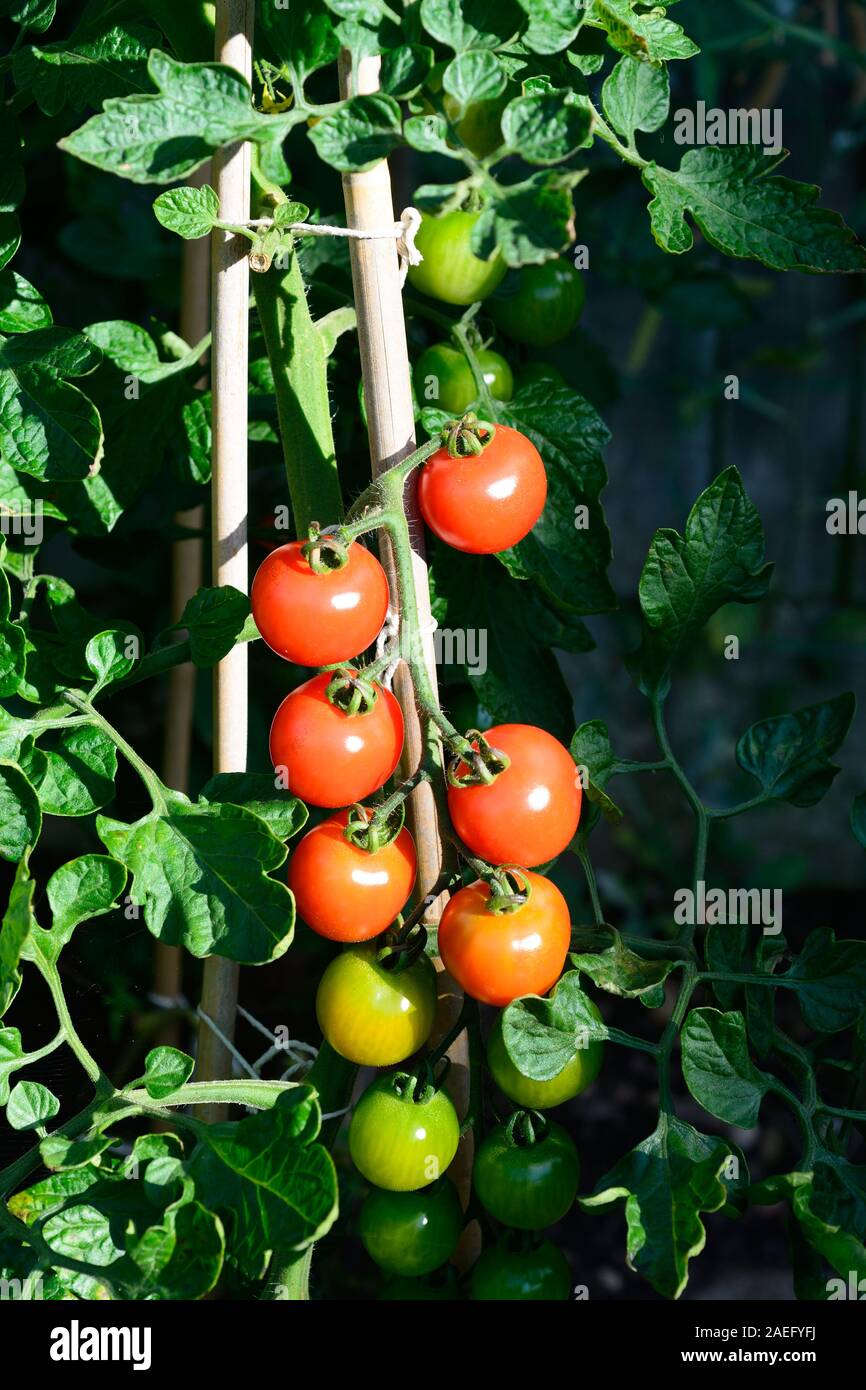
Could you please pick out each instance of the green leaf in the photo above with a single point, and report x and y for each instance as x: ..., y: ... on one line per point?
x: 302, y: 35
x: 592, y: 750
x: 498, y: 634
x: 543, y: 1035
x: 553, y: 24
x: 36, y: 15
x: 429, y: 135
x: 636, y: 96
x: 106, y: 656
x: 463, y: 24
x: 568, y: 551
x: 726, y: 949
x: 85, y: 73
x: 275, y: 1187
x: 214, y: 619
x: 83, y: 888
x: 531, y: 221
x: 47, y: 427
x: 20, y: 816
x: 641, y: 32
x: 182, y: 1258
x: 719, y: 558
x: 191, y: 212
x: 10, y: 237
x: 718, y: 1069
x: 830, y: 976
x: 22, y: 307
x: 744, y: 212
x: 134, y: 352
x: 165, y: 1071
x: 789, y: 754
x: 161, y: 138
x: 618, y: 969
x: 201, y: 875
x: 13, y: 640
x: 257, y: 793
x: 667, y: 1182
x: 78, y: 775
x: 11, y: 1051
x: 405, y: 69
x: 476, y: 75
x: 362, y: 131
x: 17, y: 924
x: 64, y: 1155
x: 30, y: 1105
x: 546, y: 127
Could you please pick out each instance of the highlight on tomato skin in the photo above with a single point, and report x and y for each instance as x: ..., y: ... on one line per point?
x: 486, y: 502
x: 330, y: 758
x: 346, y: 893
x: 497, y: 957
x: 317, y: 619
x: 530, y: 812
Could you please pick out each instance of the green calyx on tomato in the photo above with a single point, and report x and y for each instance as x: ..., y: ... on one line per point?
x: 370, y: 831
x: 443, y: 377
x: 527, y: 1172
x: 450, y: 270
x: 539, y: 304
x: 412, y: 1233
x: 476, y: 763
x: 352, y: 693
x: 403, y: 1133
x: 514, y: 1270
x: 373, y: 1012
x: 578, y: 1073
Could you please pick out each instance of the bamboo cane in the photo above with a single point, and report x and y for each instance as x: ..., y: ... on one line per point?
x: 229, y: 357
x: 388, y: 399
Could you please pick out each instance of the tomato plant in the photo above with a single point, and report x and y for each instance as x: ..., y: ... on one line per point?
x: 202, y: 278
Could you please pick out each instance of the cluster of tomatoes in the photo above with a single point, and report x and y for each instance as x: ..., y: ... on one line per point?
x: 514, y: 799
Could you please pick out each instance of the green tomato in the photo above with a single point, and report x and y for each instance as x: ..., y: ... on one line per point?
x: 539, y: 371
x: 526, y: 1179
x: 375, y: 1016
x: 450, y: 270
x: 479, y: 128
x: 539, y: 304
x: 401, y: 1142
x: 412, y: 1233
x: 444, y: 378
x: 503, y: 1272
x: 576, y: 1075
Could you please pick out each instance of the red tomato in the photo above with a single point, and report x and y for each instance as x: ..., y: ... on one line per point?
x: 333, y: 758
x: 346, y: 893
x: 529, y: 813
x: 484, y: 502
x: 319, y: 619
x: 498, y: 956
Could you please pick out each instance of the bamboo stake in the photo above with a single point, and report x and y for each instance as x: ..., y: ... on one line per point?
x: 388, y: 399
x: 187, y: 567
x: 230, y: 350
